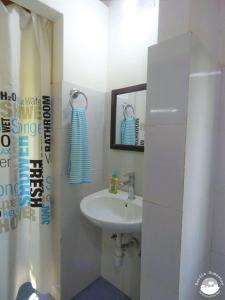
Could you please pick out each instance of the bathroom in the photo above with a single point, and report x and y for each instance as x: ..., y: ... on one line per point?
x: 173, y: 53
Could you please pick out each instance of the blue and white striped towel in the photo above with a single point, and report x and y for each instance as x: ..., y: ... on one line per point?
x: 128, y: 131
x: 79, y: 169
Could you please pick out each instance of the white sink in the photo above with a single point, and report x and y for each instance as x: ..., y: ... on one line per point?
x: 114, y: 212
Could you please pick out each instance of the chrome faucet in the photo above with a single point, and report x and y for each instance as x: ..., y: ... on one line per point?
x: 131, y: 185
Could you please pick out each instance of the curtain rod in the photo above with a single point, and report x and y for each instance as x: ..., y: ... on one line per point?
x: 8, y: 2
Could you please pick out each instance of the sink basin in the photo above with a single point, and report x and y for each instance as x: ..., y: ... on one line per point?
x: 114, y: 212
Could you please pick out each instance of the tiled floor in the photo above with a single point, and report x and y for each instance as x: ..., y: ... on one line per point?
x: 98, y: 290
x: 101, y: 290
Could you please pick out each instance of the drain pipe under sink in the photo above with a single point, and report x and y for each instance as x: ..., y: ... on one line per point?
x: 122, y: 243
x: 119, y: 252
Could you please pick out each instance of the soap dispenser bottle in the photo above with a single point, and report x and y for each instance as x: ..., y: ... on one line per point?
x: 114, y: 183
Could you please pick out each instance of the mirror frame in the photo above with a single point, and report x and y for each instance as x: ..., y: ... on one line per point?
x: 115, y: 93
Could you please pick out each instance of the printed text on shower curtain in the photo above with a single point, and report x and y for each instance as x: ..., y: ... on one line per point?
x: 25, y: 154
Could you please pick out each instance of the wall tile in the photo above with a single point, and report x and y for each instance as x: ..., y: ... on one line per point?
x: 168, y: 79
x: 81, y: 241
x: 164, y: 165
x: 218, y: 222
x: 218, y: 266
x: 130, y: 285
x: 96, y: 139
x: 78, y: 235
x: 127, y: 278
x: 96, y: 105
x: 193, y: 267
x: 152, y: 290
x: 220, y: 162
x: 123, y: 161
x: 218, y: 242
x: 161, y: 246
x: 173, y: 22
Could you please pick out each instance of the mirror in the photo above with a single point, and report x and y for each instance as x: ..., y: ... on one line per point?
x: 128, y: 110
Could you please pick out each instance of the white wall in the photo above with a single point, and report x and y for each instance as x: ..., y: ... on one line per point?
x: 205, y: 23
x: 80, y: 240
x: 218, y: 242
x: 85, y: 39
x: 83, y: 58
x: 86, y: 43
x: 83, y: 65
x: 173, y: 18
x: 205, y: 18
x: 202, y: 126
x: 131, y: 31
x: 179, y: 167
x: 168, y: 67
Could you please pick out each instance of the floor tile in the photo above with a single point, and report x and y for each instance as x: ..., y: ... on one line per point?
x: 101, y: 290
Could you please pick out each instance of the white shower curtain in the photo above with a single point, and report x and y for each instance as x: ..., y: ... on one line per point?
x: 25, y: 152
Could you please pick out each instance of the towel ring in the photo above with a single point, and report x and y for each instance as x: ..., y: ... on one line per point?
x: 126, y: 106
x: 74, y: 93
